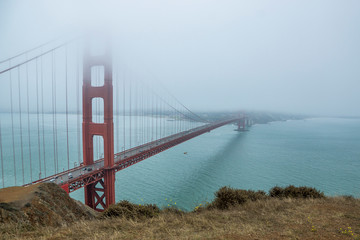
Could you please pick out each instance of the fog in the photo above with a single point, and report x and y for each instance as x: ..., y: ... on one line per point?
x: 284, y: 56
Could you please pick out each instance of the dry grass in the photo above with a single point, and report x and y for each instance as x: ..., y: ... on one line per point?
x: 17, y: 194
x: 269, y: 218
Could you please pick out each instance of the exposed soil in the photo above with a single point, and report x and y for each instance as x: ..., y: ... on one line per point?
x: 40, y: 204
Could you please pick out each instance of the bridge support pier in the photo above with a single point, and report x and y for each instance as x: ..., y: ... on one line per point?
x: 243, y: 124
x: 101, y: 194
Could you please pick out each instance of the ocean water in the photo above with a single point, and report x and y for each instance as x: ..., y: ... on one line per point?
x: 319, y: 152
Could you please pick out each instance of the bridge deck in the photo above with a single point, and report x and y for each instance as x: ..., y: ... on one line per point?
x: 81, y: 176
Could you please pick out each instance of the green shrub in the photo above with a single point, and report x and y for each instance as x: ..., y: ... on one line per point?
x: 226, y: 197
x: 131, y: 211
x: 295, y: 192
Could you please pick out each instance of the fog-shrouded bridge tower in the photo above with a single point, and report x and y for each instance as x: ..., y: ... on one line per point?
x: 101, y: 192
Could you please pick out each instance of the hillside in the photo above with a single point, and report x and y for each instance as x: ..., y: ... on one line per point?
x: 234, y: 214
x: 40, y: 205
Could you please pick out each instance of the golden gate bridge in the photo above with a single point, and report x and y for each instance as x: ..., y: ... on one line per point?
x: 125, y: 120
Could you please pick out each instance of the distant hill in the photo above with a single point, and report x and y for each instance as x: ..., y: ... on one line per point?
x: 257, y: 117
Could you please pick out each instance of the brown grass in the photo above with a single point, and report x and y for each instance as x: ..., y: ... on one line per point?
x: 17, y: 194
x: 269, y: 218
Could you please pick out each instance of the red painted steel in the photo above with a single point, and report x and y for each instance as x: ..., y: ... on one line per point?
x: 106, y: 187
x: 65, y: 187
x: 93, y: 180
x: 93, y: 177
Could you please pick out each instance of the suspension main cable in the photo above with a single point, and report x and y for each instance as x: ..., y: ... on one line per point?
x: 30, y: 50
x: 33, y: 58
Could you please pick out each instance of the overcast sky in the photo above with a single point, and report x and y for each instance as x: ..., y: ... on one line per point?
x: 286, y: 56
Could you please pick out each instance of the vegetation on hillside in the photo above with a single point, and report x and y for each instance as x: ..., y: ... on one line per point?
x: 283, y: 213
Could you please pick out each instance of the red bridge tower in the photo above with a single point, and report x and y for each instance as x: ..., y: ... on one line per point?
x: 101, y: 194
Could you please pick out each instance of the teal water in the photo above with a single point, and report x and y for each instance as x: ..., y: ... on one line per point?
x: 320, y: 152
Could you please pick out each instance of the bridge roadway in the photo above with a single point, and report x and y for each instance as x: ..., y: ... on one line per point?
x: 81, y: 176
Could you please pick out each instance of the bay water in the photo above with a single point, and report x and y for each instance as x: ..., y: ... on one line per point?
x: 323, y: 153
x: 320, y: 152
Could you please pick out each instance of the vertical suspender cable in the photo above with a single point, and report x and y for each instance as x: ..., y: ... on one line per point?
x: 142, y: 116
x: 180, y: 123
x: 160, y: 115
x: 28, y: 118
x: 42, y: 114
x: 38, y: 116
x: 152, y: 117
x: 145, y: 116
x: 53, y: 107
x: 174, y: 122
x: 157, y: 118
x: 176, y: 117
x: 163, y: 119
x: 21, y: 138
x: 177, y: 120
x: 144, y: 113
x: 67, y: 110
x: 130, y: 95
x: 148, y: 116
x: 78, y: 105
x: 136, y: 115
x: 56, y: 138
x: 117, y: 111
x: 124, y: 110
x: 12, y: 124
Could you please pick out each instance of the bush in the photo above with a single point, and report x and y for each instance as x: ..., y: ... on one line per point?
x: 226, y: 197
x: 131, y: 211
x: 295, y: 192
